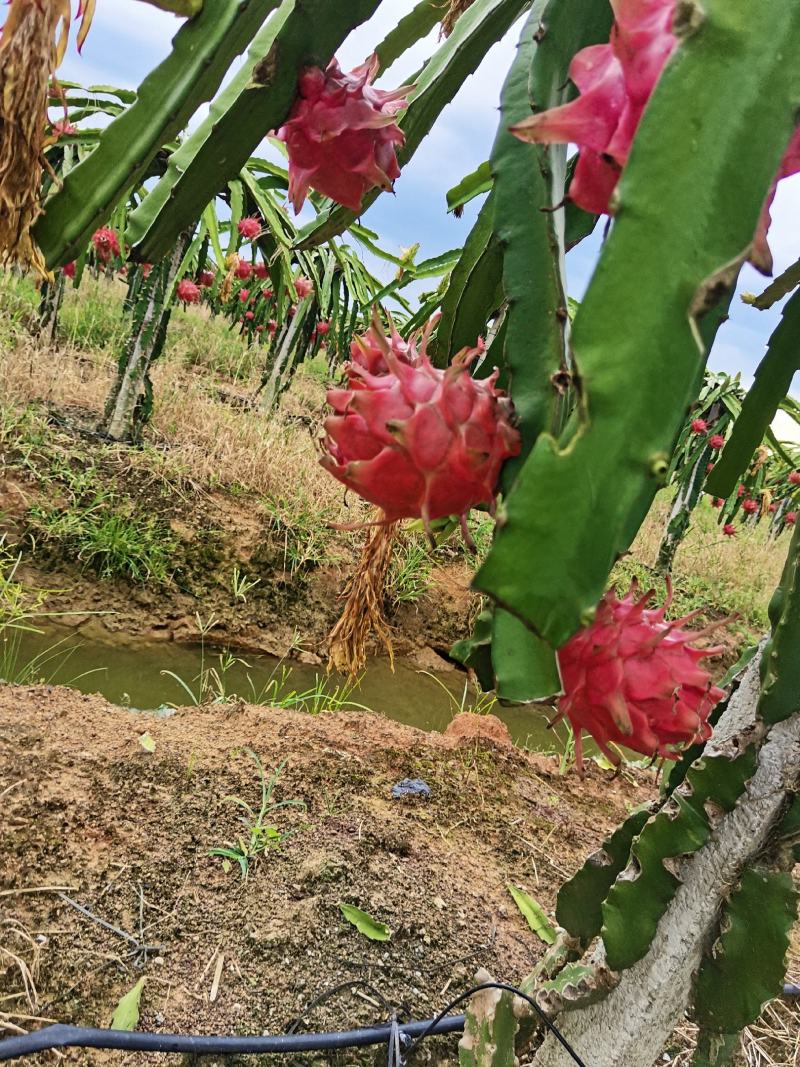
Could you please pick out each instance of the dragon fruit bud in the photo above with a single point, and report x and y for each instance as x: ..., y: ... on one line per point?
x: 716, y: 441
x: 750, y: 506
x: 323, y: 328
x: 106, y: 244
x: 260, y: 271
x: 69, y: 270
x: 341, y: 136
x: 615, y: 81
x: 206, y: 278
x: 717, y: 502
x: 188, y: 292
x: 418, y: 441
x: 631, y: 678
x: 243, y: 295
x: 249, y: 227
x: 729, y: 529
x: 790, y: 518
x: 303, y: 287
x: 699, y: 426
x: 244, y: 270
x: 794, y: 476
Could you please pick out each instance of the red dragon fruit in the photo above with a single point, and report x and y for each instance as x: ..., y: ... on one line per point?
x: 188, y: 292
x: 615, y: 81
x: 249, y: 227
x: 260, y: 271
x: 243, y: 295
x: 323, y: 328
x: 790, y: 518
x: 717, y: 502
x: 729, y: 529
x: 249, y: 316
x: 106, y: 244
x: 244, y: 270
x: 631, y: 678
x: 303, y: 287
x: 750, y: 506
x: 716, y: 441
x: 794, y: 476
x: 69, y: 270
x: 341, y: 134
x: 698, y: 426
x: 206, y: 278
x: 417, y: 441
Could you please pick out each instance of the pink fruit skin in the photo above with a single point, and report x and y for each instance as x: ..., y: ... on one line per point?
x: 633, y: 679
x: 303, y: 287
x: 341, y: 136
x: 615, y: 81
x: 716, y: 441
x: 415, y: 440
x: 249, y: 227
x: 106, y: 244
x: 188, y: 292
x: 750, y: 506
x: 206, y: 278
x: 244, y: 270
x: 729, y: 529
x: 699, y: 426
x: 794, y: 476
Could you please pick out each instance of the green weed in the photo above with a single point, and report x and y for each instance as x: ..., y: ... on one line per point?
x: 113, y: 543
x: 410, y: 571
x: 260, y: 832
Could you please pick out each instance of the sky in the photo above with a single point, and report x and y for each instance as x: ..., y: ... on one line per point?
x: 128, y: 38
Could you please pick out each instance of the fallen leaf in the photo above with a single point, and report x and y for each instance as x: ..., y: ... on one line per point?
x: 365, y: 924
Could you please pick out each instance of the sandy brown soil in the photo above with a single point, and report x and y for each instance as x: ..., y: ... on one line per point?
x: 84, y: 806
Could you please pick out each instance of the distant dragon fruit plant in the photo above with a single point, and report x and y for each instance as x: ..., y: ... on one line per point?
x: 341, y: 135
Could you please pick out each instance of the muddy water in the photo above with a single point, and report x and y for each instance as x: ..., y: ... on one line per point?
x: 145, y: 675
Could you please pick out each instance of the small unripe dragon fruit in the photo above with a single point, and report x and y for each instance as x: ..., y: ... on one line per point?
x: 633, y: 679
x: 615, y: 81
x: 249, y: 227
x: 699, y: 426
x: 418, y: 441
x: 716, y: 441
x: 106, y: 244
x: 188, y: 292
x: 729, y: 529
x: 794, y: 476
x: 341, y: 134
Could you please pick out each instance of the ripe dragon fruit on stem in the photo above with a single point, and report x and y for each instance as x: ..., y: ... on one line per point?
x: 341, y: 135
x: 615, y: 81
x: 418, y: 441
x: 106, y: 244
x: 631, y: 678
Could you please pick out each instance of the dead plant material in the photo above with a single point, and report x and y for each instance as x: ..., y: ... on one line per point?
x: 453, y: 14
x: 363, y: 612
x: 29, y: 55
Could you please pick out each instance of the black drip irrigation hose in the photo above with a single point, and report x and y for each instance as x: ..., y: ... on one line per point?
x: 408, y: 1035
x: 60, y: 1036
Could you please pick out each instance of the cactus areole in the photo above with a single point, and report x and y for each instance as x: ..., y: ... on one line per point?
x: 418, y: 441
x: 341, y: 136
x: 633, y: 679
